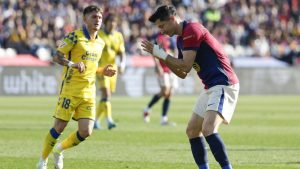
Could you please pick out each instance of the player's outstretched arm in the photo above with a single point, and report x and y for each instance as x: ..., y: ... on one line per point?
x: 60, y: 59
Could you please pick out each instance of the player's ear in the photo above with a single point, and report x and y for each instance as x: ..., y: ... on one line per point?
x: 172, y: 18
x: 84, y: 18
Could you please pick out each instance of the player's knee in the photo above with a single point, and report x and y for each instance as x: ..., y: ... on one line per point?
x: 191, y: 132
x: 167, y: 95
x: 59, y: 129
x: 59, y: 126
x: 85, y: 133
x: 207, y: 130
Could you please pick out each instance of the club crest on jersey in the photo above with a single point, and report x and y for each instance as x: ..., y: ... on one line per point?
x: 61, y: 44
x: 196, y: 67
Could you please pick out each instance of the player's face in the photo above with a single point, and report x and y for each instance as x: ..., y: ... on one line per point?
x: 165, y: 27
x: 111, y: 25
x: 93, y: 20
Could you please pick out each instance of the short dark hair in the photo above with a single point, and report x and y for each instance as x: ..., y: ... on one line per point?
x: 163, y: 13
x: 110, y: 17
x: 92, y: 8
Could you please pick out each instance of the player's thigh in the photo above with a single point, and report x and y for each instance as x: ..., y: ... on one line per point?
x: 201, y: 104
x: 165, y: 91
x: 194, y: 126
x: 86, y: 109
x: 85, y: 127
x: 223, y: 99
x: 164, y: 80
x: 65, y: 107
x: 174, y: 81
x: 103, y: 81
x: 59, y: 125
x: 109, y: 83
x: 113, y: 83
x: 211, y: 123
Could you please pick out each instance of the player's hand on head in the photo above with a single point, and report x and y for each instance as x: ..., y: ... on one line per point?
x: 109, y: 70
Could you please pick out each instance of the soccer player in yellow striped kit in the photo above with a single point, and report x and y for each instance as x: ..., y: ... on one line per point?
x: 114, y: 46
x: 79, y: 53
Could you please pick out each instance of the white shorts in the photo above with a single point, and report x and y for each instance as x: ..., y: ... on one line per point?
x: 168, y: 80
x: 219, y: 98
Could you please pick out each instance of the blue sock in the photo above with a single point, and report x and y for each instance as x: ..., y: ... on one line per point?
x: 79, y: 137
x: 104, y: 100
x: 199, y: 152
x: 54, y: 133
x: 154, y: 100
x: 227, y: 167
x: 217, y: 148
x: 165, y: 107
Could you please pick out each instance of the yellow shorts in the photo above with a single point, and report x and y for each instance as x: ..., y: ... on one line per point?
x: 75, y: 107
x: 107, y: 82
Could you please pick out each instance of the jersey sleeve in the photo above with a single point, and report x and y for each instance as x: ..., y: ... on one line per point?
x: 67, y: 43
x: 192, y: 37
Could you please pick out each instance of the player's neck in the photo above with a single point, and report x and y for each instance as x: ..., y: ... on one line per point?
x: 180, y: 27
x: 108, y: 31
x: 93, y: 34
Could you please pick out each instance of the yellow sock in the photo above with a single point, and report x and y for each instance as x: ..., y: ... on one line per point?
x: 108, y: 111
x: 100, y: 110
x: 49, y: 142
x: 72, y: 140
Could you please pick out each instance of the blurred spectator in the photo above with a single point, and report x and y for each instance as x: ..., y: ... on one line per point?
x: 253, y: 28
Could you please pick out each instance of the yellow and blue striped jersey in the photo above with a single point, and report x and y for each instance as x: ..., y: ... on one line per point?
x: 114, y: 44
x: 78, y: 47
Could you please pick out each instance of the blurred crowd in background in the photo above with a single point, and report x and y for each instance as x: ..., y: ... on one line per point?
x: 246, y: 28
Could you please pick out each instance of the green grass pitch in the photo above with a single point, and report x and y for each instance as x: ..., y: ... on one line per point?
x: 264, y: 134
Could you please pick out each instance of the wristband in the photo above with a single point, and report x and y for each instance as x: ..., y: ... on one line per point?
x: 70, y: 64
x: 159, y: 52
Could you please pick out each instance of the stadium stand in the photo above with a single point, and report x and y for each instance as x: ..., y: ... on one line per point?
x: 247, y: 28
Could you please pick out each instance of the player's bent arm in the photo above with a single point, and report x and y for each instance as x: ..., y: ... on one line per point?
x: 181, y: 66
x: 60, y: 59
x: 179, y: 72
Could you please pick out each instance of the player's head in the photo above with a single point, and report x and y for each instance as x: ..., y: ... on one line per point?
x: 111, y: 22
x: 92, y: 16
x: 165, y: 19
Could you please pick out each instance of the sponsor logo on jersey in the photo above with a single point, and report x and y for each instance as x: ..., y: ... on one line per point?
x: 89, y: 56
x: 196, y: 67
x: 188, y: 37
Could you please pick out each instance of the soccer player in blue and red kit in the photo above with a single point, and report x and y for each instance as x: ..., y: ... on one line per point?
x: 198, y: 49
x: 167, y: 82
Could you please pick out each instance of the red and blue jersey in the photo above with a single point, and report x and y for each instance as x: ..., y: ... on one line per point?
x: 211, y: 63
